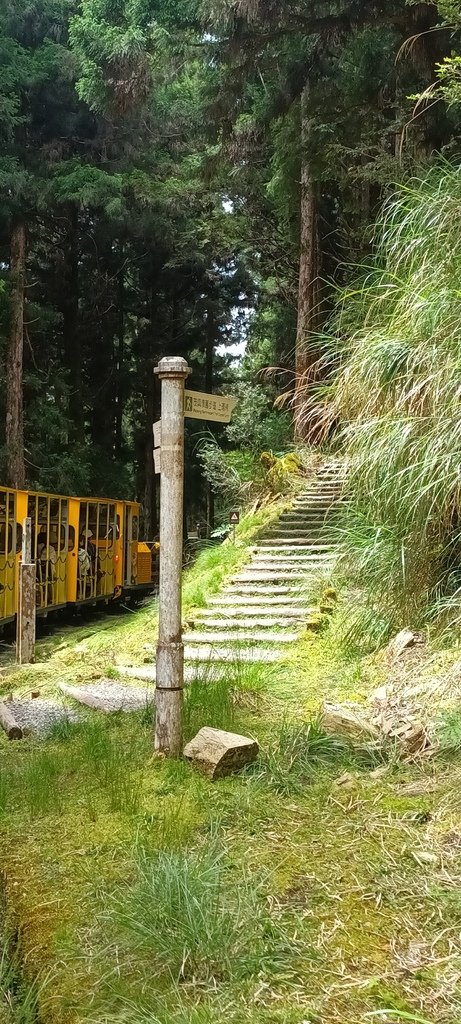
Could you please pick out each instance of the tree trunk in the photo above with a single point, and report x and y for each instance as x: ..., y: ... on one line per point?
x: 70, y: 327
x: 151, y: 524
x: 209, y: 359
x: 149, y: 504
x: 119, y: 380
x: 14, y: 435
x: 308, y: 287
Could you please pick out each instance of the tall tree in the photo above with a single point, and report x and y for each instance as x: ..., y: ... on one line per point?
x: 14, y: 434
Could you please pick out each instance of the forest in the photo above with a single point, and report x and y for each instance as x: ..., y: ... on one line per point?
x: 198, y: 178
x: 229, y: 760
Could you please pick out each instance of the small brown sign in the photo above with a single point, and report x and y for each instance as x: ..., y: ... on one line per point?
x: 200, y: 406
x: 234, y: 518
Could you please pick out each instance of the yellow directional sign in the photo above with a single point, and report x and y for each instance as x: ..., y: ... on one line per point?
x: 200, y: 406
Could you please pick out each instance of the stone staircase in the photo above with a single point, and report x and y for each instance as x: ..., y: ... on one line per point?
x: 264, y: 607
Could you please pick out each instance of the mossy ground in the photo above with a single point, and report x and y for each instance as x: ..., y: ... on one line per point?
x: 354, y: 923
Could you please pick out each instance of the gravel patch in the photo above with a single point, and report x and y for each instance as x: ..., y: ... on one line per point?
x: 38, y: 716
x: 108, y: 696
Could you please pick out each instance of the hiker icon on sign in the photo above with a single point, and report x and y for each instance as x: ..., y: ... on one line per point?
x: 187, y: 403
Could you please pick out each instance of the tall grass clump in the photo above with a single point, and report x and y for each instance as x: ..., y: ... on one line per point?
x: 394, y: 371
x: 198, y: 919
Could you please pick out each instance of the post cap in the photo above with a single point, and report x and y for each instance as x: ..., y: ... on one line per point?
x: 172, y: 366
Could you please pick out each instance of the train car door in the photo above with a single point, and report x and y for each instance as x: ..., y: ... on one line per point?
x: 130, y: 572
x: 10, y: 537
x: 51, y: 539
x: 96, y: 550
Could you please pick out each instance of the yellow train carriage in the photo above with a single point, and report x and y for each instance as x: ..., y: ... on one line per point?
x: 93, y: 562
x: 85, y: 550
x: 52, y: 538
x: 10, y: 544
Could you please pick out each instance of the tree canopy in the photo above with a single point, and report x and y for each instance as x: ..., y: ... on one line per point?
x: 182, y: 177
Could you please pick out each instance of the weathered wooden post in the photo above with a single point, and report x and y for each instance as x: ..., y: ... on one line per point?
x: 172, y: 371
x: 25, y: 623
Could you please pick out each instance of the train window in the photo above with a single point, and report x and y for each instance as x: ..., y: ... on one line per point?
x: 6, y: 539
x: 135, y: 528
x: 18, y: 538
x: 71, y: 544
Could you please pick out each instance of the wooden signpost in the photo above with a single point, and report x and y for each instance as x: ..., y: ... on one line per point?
x: 176, y: 403
x: 25, y: 622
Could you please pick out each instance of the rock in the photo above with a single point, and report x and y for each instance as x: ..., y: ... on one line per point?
x: 217, y: 753
x: 399, y: 644
x: 338, y: 718
x: 346, y: 781
x: 34, y: 694
x: 425, y: 857
x: 381, y: 695
x: 419, y: 788
x: 379, y: 773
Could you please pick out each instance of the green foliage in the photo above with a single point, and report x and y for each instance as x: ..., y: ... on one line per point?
x: 255, y: 424
x: 297, y: 754
x: 209, y: 700
x: 222, y: 477
x: 281, y: 471
x: 397, y: 392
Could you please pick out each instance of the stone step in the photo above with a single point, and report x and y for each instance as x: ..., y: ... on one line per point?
x: 287, y: 543
x: 232, y: 601
x: 314, y: 500
x: 295, y: 529
x: 297, y: 533
x: 313, y: 515
x: 246, y: 636
x: 210, y: 654
x: 241, y: 614
x: 322, y: 494
x: 309, y: 547
x: 286, y: 562
x: 247, y: 589
x: 301, y: 540
x: 313, y: 503
x: 254, y: 622
x: 280, y: 575
x: 201, y: 671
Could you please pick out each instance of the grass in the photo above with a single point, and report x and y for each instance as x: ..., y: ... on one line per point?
x: 393, y: 362
x: 19, y: 997
x: 197, y: 918
x: 289, y: 893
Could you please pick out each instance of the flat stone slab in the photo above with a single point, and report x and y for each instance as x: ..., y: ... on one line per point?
x: 266, y: 576
x: 38, y: 716
x: 287, y: 553
x: 245, y: 590
x: 208, y: 653
x: 230, y: 602
x: 248, y: 636
x: 217, y: 753
x: 108, y: 696
x: 245, y: 613
x: 255, y: 622
x: 286, y: 561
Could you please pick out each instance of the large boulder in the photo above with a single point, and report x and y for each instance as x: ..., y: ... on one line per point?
x: 217, y: 753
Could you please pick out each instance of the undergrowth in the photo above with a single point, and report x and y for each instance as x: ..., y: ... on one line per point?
x: 395, y: 390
